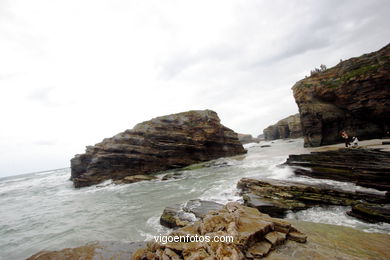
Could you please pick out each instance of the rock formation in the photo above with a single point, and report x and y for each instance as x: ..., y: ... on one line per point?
x: 321, y: 240
x: 353, y: 96
x: 254, y: 236
x: 181, y: 215
x: 289, y: 127
x: 364, y: 167
x: 102, y: 250
x: 276, y: 197
x: 327, y: 242
x: 247, y: 138
x: 162, y: 143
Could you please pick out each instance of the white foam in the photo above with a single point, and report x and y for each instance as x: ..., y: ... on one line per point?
x: 336, y: 215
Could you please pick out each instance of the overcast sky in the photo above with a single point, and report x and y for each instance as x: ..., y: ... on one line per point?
x: 73, y: 72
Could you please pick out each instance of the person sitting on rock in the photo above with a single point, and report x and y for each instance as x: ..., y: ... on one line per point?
x: 344, y: 135
x: 355, y: 141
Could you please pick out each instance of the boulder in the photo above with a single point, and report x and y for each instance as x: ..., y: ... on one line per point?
x: 181, y: 215
x: 289, y: 127
x: 254, y: 236
x: 174, y: 217
x: 353, y: 96
x: 163, y: 143
x: 276, y: 198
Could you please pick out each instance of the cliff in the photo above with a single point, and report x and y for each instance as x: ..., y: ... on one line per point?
x: 162, y: 143
x: 289, y: 127
x: 353, y: 96
x: 247, y: 138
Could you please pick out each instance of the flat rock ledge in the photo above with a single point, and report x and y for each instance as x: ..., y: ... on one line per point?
x: 364, y: 167
x: 160, y: 144
x: 99, y: 250
x: 276, y: 198
x: 254, y: 234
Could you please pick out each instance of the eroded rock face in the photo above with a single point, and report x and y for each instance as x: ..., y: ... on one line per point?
x: 289, y: 127
x: 247, y: 138
x: 277, y: 197
x: 353, y: 96
x: 159, y: 144
x: 254, y: 236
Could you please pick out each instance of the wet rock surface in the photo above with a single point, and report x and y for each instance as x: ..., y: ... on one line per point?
x: 181, y: 215
x: 102, y: 250
x: 353, y: 96
x: 326, y: 242
x: 371, y: 212
x: 135, y: 178
x: 255, y: 236
x: 276, y: 198
x: 364, y: 167
x: 163, y: 143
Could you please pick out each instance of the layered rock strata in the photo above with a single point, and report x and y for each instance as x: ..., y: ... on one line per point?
x: 159, y: 144
x: 289, y: 127
x: 254, y: 234
x: 353, y: 96
x: 276, y: 198
x: 364, y: 167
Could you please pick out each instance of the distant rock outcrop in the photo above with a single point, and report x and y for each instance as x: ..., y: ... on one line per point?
x: 353, y: 96
x: 247, y: 138
x: 162, y: 143
x: 289, y: 127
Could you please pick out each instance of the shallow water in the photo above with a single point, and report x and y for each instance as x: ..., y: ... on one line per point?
x: 43, y: 211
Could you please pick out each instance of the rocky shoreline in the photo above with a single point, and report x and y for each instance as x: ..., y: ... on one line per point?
x: 267, y: 201
x: 279, y: 239
x: 329, y: 101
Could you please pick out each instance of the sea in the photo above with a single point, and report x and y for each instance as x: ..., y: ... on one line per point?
x: 43, y: 211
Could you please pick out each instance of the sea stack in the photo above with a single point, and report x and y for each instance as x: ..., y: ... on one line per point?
x: 163, y: 143
x: 353, y: 96
x: 289, y: 127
